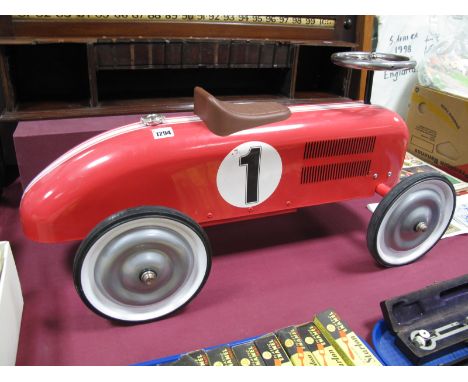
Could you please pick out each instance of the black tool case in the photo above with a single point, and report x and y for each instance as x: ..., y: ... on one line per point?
x: 442, y: 305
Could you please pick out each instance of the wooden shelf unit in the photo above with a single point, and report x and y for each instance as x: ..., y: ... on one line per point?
x: 72, y: 68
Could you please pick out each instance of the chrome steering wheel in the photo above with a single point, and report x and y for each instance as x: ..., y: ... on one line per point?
x: 372, y: 61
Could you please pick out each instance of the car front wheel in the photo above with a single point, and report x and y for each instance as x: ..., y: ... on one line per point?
x: 142, y: 264
x: 411, y: 219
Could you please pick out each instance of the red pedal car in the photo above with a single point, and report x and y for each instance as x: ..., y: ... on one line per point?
x: 139, y: 195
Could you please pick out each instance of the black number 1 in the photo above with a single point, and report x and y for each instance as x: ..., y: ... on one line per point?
x: 252, y: 161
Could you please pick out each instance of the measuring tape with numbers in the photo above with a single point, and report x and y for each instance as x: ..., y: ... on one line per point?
x: 300, y: 21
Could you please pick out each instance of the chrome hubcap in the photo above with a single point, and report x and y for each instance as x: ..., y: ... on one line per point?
x: 156, y: 251
x: 143, y: 269
x: 415, y: 221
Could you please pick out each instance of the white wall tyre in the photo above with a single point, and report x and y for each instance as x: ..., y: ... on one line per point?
x: 142, y: 264
x: 411, y: 219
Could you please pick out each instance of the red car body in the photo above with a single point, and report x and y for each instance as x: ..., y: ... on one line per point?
x: 328, y: 153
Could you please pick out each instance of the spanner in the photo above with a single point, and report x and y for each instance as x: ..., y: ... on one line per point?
x: 425, y: 340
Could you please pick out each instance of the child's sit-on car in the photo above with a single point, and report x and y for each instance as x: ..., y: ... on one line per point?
x: 139, y: 195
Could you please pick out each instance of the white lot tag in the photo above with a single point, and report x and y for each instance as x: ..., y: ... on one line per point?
x: 163, y: 132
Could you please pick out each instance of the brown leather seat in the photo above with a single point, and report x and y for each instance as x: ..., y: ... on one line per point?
x: 224, y: 118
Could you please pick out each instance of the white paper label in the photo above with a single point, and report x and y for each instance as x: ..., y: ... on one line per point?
x: 163, y: 132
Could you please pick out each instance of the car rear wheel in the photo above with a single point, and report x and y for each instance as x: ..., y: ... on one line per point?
x: 142, y: 264
x: 411, y: 219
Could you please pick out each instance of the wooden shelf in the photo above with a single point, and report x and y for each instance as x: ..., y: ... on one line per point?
x: 69, y: 68
x: 52, y: 110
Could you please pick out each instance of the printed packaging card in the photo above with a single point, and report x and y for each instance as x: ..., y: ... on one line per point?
x: 185, y: 360
x: 248, y: 355
x: 323, y: 351
x: 200, y: 357
x: 272, y: 352
x: 344, y: 340
x: 222, y: 356
x: 297, y: 350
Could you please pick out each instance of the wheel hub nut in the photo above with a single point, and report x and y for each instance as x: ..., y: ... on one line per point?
x: 148, y: 277
x: 421, y: 227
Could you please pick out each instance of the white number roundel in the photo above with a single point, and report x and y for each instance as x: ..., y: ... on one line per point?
x: 249, y: 174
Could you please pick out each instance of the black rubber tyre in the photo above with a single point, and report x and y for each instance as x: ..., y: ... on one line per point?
x: 411, y: 219
x: 142, y: 264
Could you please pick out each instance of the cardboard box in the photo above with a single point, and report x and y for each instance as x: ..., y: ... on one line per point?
x: 271, y: 350
x: 438, y: 127
x: 323, y: 351
x: 11, y: 306
x: 297, y: 350
x: 248, y: 355
x: 222, y: 356
x: 353, y: 351
x: 200, y: 357
x: 185, y: 360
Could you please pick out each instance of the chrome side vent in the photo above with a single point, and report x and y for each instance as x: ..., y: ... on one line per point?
x: 334, y: 171
x: 338, y: 147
